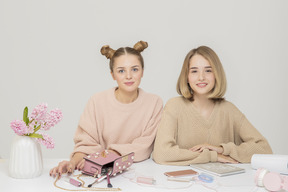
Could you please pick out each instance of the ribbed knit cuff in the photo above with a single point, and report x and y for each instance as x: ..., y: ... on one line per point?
x: 214, y: 156
x: 227, y: 148
x: 111, y: 147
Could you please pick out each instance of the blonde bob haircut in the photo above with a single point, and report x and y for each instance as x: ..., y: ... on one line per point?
x: 217, y: 93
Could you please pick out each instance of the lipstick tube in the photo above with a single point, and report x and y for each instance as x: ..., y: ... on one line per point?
x: 146, y: 180
x: 72, y: 181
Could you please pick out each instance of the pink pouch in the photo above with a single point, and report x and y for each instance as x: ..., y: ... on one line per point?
x: 101, y: 163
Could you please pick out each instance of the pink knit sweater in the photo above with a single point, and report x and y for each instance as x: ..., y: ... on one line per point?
x: 108, y: 124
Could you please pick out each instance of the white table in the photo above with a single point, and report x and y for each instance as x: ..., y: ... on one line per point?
x: 241, y: 182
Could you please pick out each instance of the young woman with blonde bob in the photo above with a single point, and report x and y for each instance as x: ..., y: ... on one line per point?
x: 122, y: 119
x: 200, y: 126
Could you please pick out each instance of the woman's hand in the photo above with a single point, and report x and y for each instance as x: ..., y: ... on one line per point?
x: 80, y: 165
x: 77, y: 162
x: 201, y: 147
x: 225, y: 159
x: 220, y: 157
x: 63, y: 167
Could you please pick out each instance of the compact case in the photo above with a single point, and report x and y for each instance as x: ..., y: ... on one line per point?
x: 106, y: 162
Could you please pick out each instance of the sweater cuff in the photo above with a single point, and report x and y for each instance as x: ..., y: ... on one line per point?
x: 111, y: 147
x: 214, y: 156
x: 227, y: 148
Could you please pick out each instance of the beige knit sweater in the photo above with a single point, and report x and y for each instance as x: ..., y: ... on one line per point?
x: 108, y: 124
x: 182, y: 127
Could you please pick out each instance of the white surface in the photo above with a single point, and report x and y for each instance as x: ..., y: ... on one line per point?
x: 44, y: 183
x: 50, y: 52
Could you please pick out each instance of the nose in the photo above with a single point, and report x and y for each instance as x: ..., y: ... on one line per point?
x: 128, y: 75
x: 201, y: 76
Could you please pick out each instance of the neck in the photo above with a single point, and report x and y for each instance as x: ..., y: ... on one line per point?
x: 202, y: 102
x: 126, y: 97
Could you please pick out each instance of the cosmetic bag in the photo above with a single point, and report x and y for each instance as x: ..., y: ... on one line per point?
x: 106, y: 162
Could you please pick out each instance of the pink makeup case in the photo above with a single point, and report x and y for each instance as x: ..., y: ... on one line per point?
x: 101, y: 163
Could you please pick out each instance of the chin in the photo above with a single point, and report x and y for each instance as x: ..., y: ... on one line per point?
x: 130, y: 89
x: 203, y: 92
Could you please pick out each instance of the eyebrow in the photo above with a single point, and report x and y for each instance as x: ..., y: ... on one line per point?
x: 207, y: 67
x: 134, y: 66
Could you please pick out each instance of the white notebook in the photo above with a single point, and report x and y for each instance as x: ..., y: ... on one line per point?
x: 219, y: 169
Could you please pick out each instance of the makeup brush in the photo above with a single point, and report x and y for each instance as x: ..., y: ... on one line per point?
x: 109, y: 185
x: 97, y: 180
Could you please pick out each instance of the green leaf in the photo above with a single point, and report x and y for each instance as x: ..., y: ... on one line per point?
x: 35, y: 135
x: 25, y: 116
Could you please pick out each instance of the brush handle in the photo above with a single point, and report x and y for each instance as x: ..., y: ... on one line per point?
x: 97, y: 180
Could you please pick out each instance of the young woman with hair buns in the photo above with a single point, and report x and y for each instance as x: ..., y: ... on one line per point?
x: 200, y: 126
x: 122, y: 119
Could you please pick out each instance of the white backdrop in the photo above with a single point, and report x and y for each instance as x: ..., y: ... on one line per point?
x: 50, y: 52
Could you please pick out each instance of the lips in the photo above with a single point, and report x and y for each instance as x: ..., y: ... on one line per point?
x: 202, y: 85
x: 129, y: 83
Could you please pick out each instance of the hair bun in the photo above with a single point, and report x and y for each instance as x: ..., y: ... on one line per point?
x: 107, y: 51
x: 140, y: 46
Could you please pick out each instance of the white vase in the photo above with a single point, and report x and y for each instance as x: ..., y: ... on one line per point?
x: 25, y: 158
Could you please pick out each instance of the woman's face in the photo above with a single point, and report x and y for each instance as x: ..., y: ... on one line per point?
x: 127, y: 71
x: 200, y: 76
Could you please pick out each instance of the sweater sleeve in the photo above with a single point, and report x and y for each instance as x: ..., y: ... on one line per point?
x: 142, y: 146
x: 166, y: 149
x: 250, y: 142
x: 86, y: 137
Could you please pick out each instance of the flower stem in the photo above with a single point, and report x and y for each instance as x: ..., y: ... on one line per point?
x: 35, y: 130
x: 35, y: 135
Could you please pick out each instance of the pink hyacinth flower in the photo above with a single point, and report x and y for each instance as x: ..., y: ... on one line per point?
x: 20, y: 128
x: 39, y: 112
x: 46, y: 140
x: 52, y: 118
